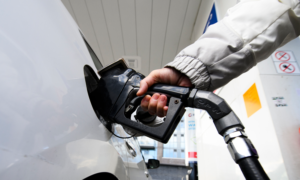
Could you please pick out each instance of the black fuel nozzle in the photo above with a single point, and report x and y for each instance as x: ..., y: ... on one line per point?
x: 117, y: 90
x: 116, y: 93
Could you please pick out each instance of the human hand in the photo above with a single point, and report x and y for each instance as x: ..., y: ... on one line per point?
x: 157, y: 103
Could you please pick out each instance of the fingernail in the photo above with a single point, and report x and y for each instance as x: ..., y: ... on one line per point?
x: 145, y: 100
x: 162, y: 98
x: 155, y: 96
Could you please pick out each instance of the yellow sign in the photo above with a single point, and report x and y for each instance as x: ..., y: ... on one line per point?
x: 252, y: 101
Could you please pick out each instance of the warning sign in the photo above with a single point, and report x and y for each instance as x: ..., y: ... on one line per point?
x: 252, y: 101
x: 283, y: 56
x: 287, y: 67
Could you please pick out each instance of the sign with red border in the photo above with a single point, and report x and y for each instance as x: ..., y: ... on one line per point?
x: 283, y: 56
x: 287, y: 67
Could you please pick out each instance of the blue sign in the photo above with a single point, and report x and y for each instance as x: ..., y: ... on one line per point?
x: 212, y: 19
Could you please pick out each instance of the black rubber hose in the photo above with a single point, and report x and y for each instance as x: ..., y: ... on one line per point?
x: 252, y: 169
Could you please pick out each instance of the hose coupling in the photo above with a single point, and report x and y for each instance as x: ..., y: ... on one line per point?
x: 232, y: 133
x: 241, y: 147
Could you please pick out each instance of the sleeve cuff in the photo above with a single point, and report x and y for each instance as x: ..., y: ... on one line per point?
x: 192, y: 68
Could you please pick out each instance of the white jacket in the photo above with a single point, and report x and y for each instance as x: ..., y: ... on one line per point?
x: 250, y: 32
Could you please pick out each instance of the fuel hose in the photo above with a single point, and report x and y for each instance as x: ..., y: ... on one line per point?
x: 252, y: 169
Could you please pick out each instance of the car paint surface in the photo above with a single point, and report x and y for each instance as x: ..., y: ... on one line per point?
x: 48, y: 127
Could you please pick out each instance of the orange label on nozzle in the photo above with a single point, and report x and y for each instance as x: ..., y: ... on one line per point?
x: 252, y: 101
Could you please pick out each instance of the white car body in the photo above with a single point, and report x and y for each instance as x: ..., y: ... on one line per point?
x: 48, y: 127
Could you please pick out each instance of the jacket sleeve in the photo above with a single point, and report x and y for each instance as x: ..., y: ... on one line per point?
x: 251, y: 31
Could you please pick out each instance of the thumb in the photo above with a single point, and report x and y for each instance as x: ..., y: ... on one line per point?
x: 147, y: 82
x: 143, y: 88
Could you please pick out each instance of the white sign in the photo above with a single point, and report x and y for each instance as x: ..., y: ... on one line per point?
x: 190, y: 135
x: 283, y: 56
x: 287, y: 67
x: 279, y: 101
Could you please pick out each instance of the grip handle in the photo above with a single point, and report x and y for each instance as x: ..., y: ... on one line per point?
x: 169, y: 90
